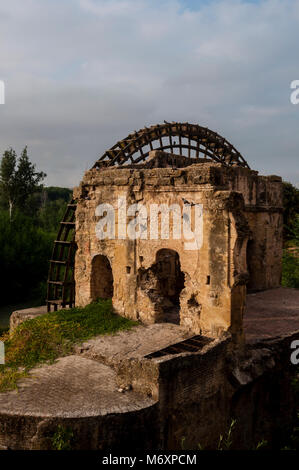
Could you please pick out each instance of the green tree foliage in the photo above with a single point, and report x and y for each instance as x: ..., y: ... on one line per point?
x: 294, y: 231
x: 51, y: 206
x: 291, y: 209
x: 290, y: 261
x: 29, y: 219
x: 18, y: 180
x: 290, y: 270
x: 8, y: 184
x: 54, y: 193
x: 26, y: 244
x: 24, y: 253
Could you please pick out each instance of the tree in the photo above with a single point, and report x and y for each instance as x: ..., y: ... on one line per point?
x: 8, y: 179
x: 18, y: 179
x: 291, y: 208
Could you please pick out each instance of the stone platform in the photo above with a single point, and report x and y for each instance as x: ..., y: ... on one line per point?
x: 133, y: 344
x: 110, y: 389
x: 71, y: 387
x: 271, y: 313
x: 86, y: 389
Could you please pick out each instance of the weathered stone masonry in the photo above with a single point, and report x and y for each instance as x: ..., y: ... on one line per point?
x: 242, y: 242
x: 162, y: 383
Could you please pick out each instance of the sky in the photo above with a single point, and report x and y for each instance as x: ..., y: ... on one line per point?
x: 82, y: 74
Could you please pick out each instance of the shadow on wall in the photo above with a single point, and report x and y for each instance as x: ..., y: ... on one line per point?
x: 101, y: 278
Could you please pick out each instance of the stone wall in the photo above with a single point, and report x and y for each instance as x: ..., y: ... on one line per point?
x: 113, y: 432
x: 241, y: 232
x: 195, y: 398
x: 201, y: 395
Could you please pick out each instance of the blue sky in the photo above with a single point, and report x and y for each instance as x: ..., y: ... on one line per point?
x: 82, y: 74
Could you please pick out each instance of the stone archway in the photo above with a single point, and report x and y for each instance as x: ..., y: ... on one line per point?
x: 101, y: 278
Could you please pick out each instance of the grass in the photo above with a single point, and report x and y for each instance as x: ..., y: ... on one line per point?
x: 54, y: 335
x: 225, y: 440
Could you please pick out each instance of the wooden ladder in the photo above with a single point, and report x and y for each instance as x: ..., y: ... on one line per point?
x: 61, y: 282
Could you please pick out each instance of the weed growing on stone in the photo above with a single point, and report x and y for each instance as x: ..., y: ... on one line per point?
x: 62, y: 438
x: 225, y: 440
x: 261, y: 445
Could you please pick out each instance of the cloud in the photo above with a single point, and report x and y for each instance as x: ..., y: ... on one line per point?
x: 82, y: 74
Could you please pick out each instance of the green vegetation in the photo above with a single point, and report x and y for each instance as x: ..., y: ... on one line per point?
x: 225, y: 440
x: 53, y: 335
x: 18, y: 180
x: 24, y: 254
x: 261, y: 445
x: 29, y: 219
x: 290, y: 269
x: 290, y: 261
x: 62, y: 438
x: 291, y: 209
x: 290, y: 277
x: 290, y: 274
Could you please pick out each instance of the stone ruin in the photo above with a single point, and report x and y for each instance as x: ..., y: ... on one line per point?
x: 173, y: 225
x: 157, y: 277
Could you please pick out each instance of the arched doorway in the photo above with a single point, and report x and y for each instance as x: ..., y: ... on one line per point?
x: 101, y: 278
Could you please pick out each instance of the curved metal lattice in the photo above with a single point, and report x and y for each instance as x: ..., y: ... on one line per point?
x: 190, y: 140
